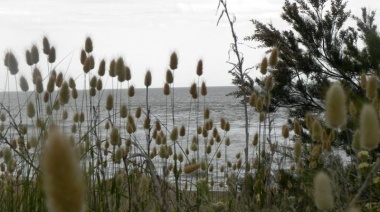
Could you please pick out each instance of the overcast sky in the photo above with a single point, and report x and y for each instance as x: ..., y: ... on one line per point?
x: 143, y: 32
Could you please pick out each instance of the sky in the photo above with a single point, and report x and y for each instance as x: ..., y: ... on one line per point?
x: 143, y: 32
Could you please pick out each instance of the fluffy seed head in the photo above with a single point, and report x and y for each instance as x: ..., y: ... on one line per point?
x: 64, y: 94
x: 59, y: 80
x: 39, y: 86
x: 24, y: 84
x: 336, y: 106
x: 45, y: 45
x: 128, y: 75
x: 174, y: 134
x: 89, y: 64
x: 72, y: 83
x: 173, y: 61
x: 203, y: 89
x: 51, y: 84
x: 191, y: 168
x: 123, y: 111
x: 114, y: 136
x: 83, y: 56
x: 193, y: 89
x: 52, y: 55
x: 102, y: 68
x: 297, y: 127
x: 31, y: 111
x: 28, y: 57
x: 255, y: 139
x: 317, y: 130
x: 10, y: 61
x: 166, y: 89
x: 323, y: 196
x: 200, y: 68
x: 131, y: 91
x: 74, y: 93
x: 264, y: 66
x: 99, y: 85
x: 371, y: 90
x: 273, y: 58
x: 88, y: 45
x: 259, y: 104
x: 109, y: 102
x: 252, y: 99
x: 138, y: 112
x: 62, y: 178
x: 148, y: 79
x: 93, y: 81
x: 369, y: 126
x: 269, y: 82
x: 182, y: 131
x: 285, y: 131
x: 120, y: 69
x: 35, y: 55
x: 169, y: 76
x: 297, y: 150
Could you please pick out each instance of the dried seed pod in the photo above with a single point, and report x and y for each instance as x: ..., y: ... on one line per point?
x: 285, y: 131
x: 193, y: 89
x: 166, y: 89
x: 297, y: 127
x: 206, y: 113
x: 123, y: 111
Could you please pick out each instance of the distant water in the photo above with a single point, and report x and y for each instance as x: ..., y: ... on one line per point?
x: 185, y: 112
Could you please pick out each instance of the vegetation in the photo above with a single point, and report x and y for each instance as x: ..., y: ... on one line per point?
x: 65, y: 152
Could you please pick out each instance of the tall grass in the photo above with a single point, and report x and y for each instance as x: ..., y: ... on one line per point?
x: 177, y: 165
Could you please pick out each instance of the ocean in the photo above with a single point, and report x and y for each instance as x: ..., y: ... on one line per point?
x: 185, y: 113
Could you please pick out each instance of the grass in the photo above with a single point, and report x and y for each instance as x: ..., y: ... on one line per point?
x: 172, y: 167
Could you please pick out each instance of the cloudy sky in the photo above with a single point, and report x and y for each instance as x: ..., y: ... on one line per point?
x: 143, y: 32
